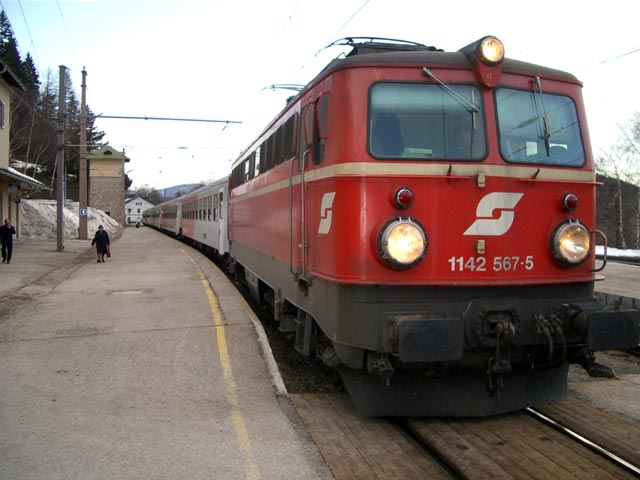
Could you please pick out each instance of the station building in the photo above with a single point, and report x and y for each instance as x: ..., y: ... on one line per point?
x: 106, y: 182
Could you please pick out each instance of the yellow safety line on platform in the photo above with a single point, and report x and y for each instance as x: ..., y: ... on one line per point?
x: 251, y: 468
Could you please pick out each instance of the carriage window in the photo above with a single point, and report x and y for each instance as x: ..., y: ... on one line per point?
x: 411, y: 121
x: 538, y: 128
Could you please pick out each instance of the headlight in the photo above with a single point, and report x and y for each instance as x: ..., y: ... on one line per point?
x: 571, y: 243
x: 491, y: 50
x: 402, y: 242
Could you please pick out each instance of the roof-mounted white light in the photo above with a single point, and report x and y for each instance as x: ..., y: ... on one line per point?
x: 491, y: 51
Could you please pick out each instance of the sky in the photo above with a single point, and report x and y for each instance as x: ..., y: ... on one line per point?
x: 215, y: 60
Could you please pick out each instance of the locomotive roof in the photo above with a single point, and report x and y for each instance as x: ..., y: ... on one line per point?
x: 399, y: 52
x: 414, y: 53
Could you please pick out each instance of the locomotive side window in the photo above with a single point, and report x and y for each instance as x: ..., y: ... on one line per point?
x: 538, y: 128
x: 320, y: 129
x: 418, y: 121
x: 306, y: 135
x: 263, y: 157
x: 252, y: 165
x: 290, y: 137
x: 245, y: 166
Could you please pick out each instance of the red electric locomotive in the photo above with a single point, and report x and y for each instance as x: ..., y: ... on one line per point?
x: 424, y: 221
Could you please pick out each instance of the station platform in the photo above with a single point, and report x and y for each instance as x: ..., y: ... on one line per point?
x: 147, y: 366
x: 620, y: 286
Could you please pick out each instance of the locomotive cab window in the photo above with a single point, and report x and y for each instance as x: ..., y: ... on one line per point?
x: 423, y: 121
x: 538, y: 128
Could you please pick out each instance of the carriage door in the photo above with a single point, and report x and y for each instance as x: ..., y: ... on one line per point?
x: 221, y: 201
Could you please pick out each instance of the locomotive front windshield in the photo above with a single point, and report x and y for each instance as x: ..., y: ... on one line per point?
x: 538, y: 128
x: 418, y: 121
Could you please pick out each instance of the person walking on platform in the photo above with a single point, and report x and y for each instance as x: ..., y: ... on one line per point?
x: 7, y: 231
x: 101, y: 241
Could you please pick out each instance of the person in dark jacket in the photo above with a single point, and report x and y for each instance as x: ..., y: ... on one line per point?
x: 7, y: 231
x: 101, y: 241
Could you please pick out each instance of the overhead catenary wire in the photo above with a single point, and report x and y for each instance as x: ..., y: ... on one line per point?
x: 170, y: 119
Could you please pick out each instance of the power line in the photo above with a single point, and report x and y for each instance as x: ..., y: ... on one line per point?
x: 634, y: 50
x: 353, y: 15
x: 33, y: 45
x: 73, y: 47
x: 348, y: 20
x: 290, y: 17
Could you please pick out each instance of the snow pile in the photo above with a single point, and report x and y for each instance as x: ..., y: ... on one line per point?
x: 39, y: 219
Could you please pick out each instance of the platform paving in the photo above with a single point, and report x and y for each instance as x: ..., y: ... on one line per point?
x: 148, y: 366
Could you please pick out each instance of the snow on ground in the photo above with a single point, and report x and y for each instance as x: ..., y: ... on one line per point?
x: 38, y: 219
x: 616, y: 253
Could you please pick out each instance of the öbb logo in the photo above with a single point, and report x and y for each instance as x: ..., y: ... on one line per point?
x: 485, y: 223
x: 326, y: 213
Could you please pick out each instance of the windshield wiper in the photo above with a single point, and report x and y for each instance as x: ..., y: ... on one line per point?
x: 545, y: 122
x: 473, y: 108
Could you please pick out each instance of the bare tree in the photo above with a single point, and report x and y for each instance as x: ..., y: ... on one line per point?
x: 622, y: 163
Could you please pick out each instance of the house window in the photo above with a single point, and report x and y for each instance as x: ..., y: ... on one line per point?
x: 2, y: 114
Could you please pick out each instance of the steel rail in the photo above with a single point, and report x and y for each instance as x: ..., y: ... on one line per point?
x: 613, y: 458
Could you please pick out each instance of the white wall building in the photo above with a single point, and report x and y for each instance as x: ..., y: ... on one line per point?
x: 133, y: 208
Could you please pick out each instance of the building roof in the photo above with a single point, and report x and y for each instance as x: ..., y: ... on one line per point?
x: 139, y: 198
x: 9, y: 77
x: 22, y: 179
x: 107, y: 151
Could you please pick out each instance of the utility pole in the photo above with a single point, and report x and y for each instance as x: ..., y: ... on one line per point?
x: 82, y: 180
x: 62, y: 93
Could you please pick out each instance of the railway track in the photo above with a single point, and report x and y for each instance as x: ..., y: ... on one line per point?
x: 516, y: 445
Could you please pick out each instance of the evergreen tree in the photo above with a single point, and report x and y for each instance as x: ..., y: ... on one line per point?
x: 31, y: 78
x: 9, y: 46
x: 34, y: 115
x: 94, y: 136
